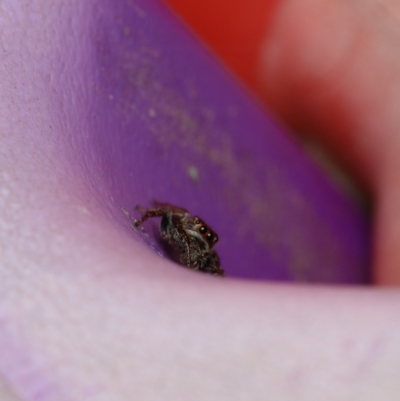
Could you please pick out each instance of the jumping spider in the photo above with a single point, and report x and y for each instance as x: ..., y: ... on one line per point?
x: 189, y: 236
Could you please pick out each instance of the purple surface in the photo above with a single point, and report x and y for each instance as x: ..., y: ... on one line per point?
x: 162, y: 119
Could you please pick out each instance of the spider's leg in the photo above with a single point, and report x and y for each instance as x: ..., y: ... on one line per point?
x: 185, y: 258
x: 188, y: 252
x: 149, y: 213
x: 210, y: 263
x: 182, y: 240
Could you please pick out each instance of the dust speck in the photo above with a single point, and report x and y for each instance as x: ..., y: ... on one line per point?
x: 193, y: 173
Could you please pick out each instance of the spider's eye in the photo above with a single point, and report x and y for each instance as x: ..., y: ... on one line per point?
x: 196, y: 220
x: 215, y: 238
x: 210, y: 236
x: 203, y: 229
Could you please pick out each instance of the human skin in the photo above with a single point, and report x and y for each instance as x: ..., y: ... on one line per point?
x: 79, y: 320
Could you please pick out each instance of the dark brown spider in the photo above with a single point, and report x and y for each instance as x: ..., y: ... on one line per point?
x: 190, y: 236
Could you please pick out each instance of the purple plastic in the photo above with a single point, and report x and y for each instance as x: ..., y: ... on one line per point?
x: 163, y: 120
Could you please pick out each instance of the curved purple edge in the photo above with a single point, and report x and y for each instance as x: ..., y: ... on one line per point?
x: 156, y: 117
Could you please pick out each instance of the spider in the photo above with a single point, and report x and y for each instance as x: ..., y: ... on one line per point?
x: 189, y: 236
